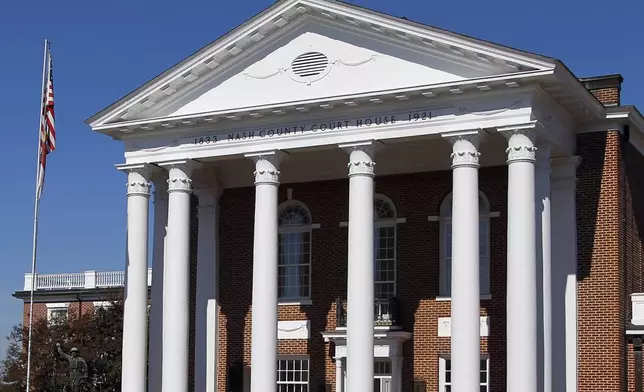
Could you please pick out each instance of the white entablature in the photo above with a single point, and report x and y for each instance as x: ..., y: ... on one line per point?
x: 314, y: 73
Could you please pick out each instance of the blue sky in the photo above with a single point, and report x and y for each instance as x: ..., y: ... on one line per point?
x: 103, y: 50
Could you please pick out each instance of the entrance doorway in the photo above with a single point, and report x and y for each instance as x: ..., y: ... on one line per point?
x: 382, y: 375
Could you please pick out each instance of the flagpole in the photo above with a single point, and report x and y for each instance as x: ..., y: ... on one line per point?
x: 36, y: 208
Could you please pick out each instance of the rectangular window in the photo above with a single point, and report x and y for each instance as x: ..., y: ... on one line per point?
x: 294, y: 268
x: 293, y: 374
x: 385, y: 262
x: 382, y: 375
x: 445, y: 375
x: 57, y: 315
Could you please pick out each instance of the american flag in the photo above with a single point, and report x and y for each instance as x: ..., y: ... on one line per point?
x: 47, y: 142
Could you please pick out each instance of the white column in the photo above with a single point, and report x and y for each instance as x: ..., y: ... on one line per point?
x: 177, y: 283
x: 360, y: 290
x: 564, y: 274
x: 542, y: 205
x: 465, y: 340
x: 339, y: 376
x: 264, y: 308
x: 207, y: 289
x: 396, y: 374
x: 156, y: 300
x: 135, y: 328
x: 522, y: 274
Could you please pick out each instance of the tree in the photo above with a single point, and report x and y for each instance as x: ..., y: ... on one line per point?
x: 98, y: 336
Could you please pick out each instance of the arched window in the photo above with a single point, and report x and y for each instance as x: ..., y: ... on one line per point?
x: 384, y: 251
x: 446, y: 246
x: 294, y: 252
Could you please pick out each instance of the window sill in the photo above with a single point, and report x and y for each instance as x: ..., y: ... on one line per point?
x: 482, y: 297
x: 295, y: 302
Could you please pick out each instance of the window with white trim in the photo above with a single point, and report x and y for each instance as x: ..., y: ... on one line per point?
x: 382, y: 375
x: 293, y: 374
x: 384, y: 251
x: 446, y: 246
x: 57, y: 314
x: 445, y: 374
x: 294, y: 252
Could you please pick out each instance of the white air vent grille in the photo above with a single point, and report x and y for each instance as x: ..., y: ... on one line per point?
x: 309, y: 64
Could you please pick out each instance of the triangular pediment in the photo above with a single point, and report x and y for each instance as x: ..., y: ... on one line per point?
x: 300, y: 50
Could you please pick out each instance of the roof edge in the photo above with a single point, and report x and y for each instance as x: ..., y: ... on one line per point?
x: 178, y: 65
x: 524, y: 58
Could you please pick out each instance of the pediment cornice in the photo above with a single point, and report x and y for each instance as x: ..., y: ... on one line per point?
x: 431, y: 94
x: 288, y: 14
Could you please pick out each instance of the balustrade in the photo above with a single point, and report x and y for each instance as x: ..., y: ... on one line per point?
x: 79, y: 280
x: 385, y: 312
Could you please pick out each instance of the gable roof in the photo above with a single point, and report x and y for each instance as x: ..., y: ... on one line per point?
x: 282, y: 13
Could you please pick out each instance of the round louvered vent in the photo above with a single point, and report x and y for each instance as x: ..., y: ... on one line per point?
x: 309, y: 64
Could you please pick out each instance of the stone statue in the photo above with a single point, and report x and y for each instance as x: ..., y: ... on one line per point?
x: 77, y: 368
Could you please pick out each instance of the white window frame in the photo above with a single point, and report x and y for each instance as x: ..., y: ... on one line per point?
x: 54, y: 307
x: 390, y: 222
x: 383, y: 378
x: 444, y: 293
x: 307, y: 228
x: 442, y: 367
x: 294, y: 358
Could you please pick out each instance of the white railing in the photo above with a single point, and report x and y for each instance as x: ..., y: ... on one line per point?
x: 79, y: 280
x: 110, y: 279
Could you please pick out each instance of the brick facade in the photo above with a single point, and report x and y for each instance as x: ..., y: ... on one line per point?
x: 600, y: 272
x: 417, y: 273
x: 610, y: 229
x: 75, y: 309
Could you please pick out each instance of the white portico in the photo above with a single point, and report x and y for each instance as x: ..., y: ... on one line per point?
x: 313, y: 90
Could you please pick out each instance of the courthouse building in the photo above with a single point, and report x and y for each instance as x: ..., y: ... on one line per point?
x: 350, y: 201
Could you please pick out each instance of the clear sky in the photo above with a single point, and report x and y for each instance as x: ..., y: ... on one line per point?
x: 104, y: 50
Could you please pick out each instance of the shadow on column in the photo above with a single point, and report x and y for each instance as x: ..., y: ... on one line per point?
x: 194, y: 250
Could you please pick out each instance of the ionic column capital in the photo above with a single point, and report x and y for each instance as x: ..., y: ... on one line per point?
x: 179, y: 174
x: 465, y: 147
x: 521, y: 145
x: 138, y: 179
x: 361, y: 156
x: 267, y: 166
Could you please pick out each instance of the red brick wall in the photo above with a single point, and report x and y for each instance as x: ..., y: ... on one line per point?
x: 607, y: 96
x: 40, y: 313
x: 416, y: 197
x: 76, y: 309
x: 632, y: 243
x: 633, y: 240
x: 600, y: 269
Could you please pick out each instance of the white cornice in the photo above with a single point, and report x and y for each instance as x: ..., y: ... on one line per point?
x: 282, y: 15
x: 123, y: 130
x: 438, y: 36
x: 629, y: 115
